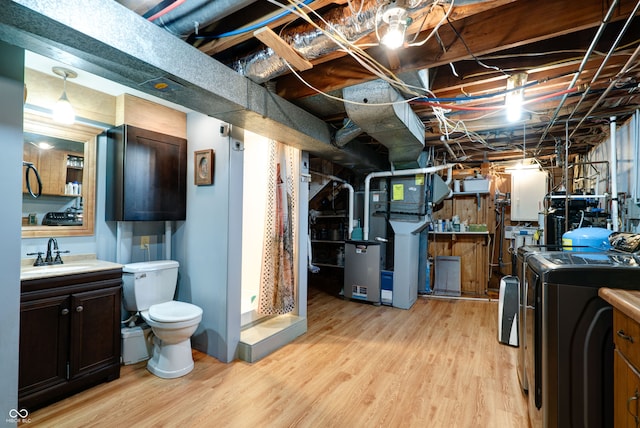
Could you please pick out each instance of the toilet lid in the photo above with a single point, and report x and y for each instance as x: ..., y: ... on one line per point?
x: 174, y: 311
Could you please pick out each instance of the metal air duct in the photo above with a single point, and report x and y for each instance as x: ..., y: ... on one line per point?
x: 380, y: 111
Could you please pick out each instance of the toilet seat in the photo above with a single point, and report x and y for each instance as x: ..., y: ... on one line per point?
x: 174, y: 311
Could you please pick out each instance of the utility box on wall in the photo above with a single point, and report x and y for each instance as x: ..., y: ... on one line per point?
x: 146, y: 175
x: 528, y: 190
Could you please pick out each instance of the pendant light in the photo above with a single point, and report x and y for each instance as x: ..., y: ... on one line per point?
x: 63, y: 111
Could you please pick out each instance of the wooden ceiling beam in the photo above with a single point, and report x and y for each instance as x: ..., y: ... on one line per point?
x: 515, y: 24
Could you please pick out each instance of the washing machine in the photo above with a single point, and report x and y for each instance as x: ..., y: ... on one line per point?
x: 569, y: 338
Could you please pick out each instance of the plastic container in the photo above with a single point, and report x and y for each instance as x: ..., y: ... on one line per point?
x: 475, y: 185
x: 586, y: 239
x: 136, y: 345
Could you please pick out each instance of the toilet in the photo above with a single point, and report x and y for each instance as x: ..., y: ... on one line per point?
x: 148, y: 288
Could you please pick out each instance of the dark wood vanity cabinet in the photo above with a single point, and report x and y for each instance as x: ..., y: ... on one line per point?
x: 69, y: 335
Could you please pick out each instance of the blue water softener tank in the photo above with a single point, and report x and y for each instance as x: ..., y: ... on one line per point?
x: 586, y: 239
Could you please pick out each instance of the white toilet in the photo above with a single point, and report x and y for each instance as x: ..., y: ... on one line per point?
x: 148, y: 287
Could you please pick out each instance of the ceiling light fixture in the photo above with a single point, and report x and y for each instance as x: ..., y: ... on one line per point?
x: 515, y: 96
x: 397, y: 20
x: 42, y: 145
x: 63, y: 111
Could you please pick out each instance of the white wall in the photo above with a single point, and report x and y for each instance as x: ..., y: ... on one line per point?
x: 11, y: 88
x: 208, y: 244
x: 256, y: 152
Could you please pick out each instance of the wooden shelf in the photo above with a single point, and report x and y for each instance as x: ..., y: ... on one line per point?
x: 472, y: 247
x: 458, y: 233
x: 484, y: 192
x: 327, y: 265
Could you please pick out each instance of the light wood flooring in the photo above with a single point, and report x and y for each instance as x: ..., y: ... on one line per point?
x: 438, y: 364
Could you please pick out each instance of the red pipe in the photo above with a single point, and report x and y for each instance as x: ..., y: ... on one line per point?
x: 166, y: 10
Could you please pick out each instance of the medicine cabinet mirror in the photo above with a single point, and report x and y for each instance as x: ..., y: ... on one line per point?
x: 68, y: 175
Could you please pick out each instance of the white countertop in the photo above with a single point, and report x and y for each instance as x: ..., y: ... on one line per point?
x: 71, y: 264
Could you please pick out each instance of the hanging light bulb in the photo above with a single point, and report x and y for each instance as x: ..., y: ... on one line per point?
x: 63, y: 111
x: 515, y: 96
x: 397, y: 20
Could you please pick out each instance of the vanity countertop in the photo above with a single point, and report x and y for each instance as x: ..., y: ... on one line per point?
x: 71, y: 265
x: 626, y: 301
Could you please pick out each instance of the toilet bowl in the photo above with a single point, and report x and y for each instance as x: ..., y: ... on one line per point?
x: 148, y: 288
x: 172, y: 324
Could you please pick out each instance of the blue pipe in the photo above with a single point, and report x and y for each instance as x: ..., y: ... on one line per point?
x: 251, y: 28
x: 477, y: 97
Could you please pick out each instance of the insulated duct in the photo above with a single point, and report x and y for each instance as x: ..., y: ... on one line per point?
x: 311, y: 42
x: 378, y: 109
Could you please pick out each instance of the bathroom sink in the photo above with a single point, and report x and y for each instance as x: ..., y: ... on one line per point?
x: 57, y: 268
x: 76, y: 264
x: 67, y: 268
x: 53, y: 270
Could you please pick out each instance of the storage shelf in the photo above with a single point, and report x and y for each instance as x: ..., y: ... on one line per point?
x: 326, y: 241
x: 458, y: 233
x: 483, y: 192
x: 327, y: 265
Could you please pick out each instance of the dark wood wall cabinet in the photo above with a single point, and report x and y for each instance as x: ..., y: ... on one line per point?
x: 69, y: 335
x: 146, y: 175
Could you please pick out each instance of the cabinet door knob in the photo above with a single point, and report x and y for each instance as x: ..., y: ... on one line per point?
x: 65, y: 311
x: 624, y: 336
x: 79, y: 309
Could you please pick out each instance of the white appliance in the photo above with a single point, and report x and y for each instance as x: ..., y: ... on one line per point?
x: 508, y: 307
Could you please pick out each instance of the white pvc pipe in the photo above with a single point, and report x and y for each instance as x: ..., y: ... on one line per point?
x: 118, y: 242
x: 351, y: 197
x: 404, y: 172
x: 614, y: 174
x: 576, y: 196
x: 167, y: 239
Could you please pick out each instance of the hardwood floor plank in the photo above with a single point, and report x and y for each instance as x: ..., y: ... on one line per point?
x: 437, y: 364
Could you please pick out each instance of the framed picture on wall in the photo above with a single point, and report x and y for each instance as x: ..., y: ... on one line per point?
x: 203, y: 167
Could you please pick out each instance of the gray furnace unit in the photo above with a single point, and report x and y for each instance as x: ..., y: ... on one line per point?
x: 362, y: 271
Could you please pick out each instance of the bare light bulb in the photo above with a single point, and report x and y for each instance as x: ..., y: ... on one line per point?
x: 515, y: 96
x: 396, y: 18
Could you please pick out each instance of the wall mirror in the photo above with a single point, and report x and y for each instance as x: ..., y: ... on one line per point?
x: 68, y: 176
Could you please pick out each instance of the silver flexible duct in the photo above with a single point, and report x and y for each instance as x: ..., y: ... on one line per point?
x: 311, y: 42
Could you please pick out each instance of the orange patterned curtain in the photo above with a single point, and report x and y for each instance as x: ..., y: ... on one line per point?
x: 277, y: 285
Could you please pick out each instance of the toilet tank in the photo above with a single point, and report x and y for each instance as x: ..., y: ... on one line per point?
x: 148, y: 283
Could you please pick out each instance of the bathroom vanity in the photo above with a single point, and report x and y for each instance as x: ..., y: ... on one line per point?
x: 69, y: 329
